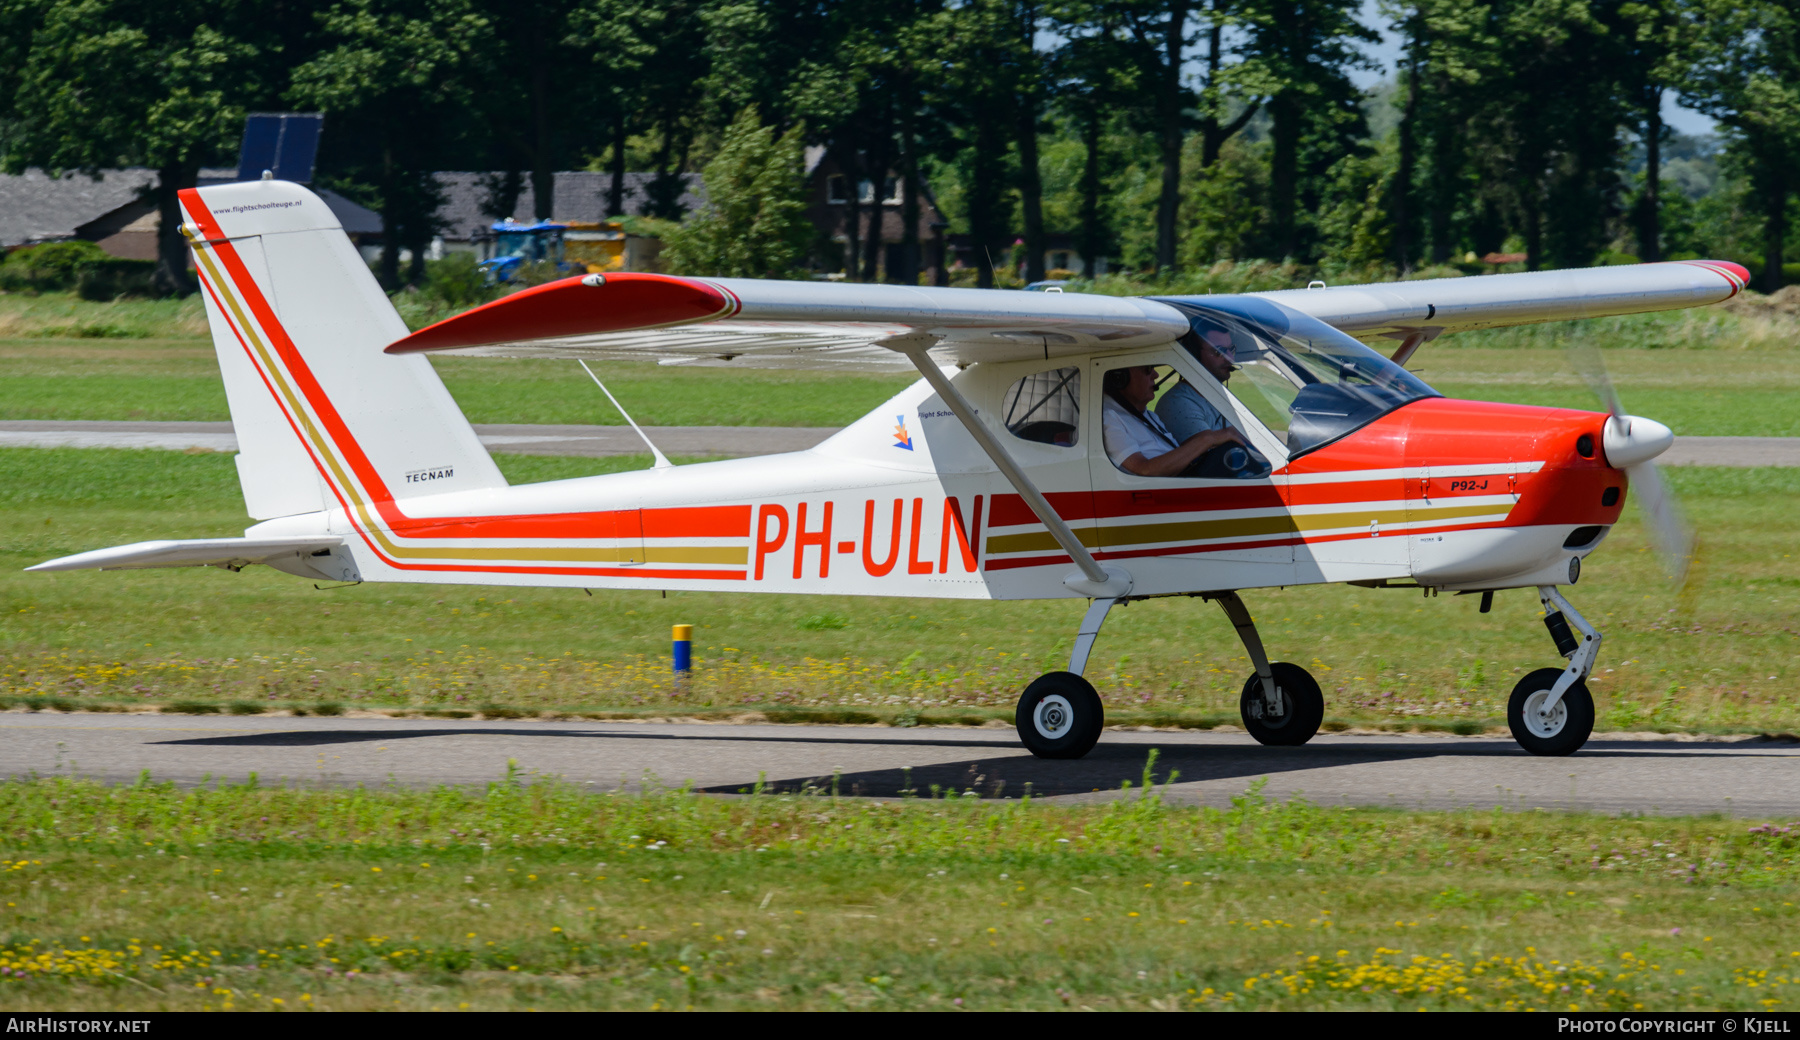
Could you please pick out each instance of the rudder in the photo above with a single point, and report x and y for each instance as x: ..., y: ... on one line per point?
x: 323, y: 416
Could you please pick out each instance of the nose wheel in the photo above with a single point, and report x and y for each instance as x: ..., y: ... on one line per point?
x: 1544, y: 726
x: 1551, y: 711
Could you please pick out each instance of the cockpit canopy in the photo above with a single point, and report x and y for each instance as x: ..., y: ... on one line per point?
x: 1307, y: 382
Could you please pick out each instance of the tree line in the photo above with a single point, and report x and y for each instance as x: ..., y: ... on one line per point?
x: 1160, y: 135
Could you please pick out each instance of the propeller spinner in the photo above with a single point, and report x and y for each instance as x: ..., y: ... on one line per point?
x: 1632, y: 444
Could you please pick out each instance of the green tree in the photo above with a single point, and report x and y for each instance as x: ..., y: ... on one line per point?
x: 1746, y: 73
x: 1658, y: 41
x: 1224, y: 204
x: 1520, y: 108
x: 620, y: 37
x: 533, y: 85
x: 972, y: 69
x: 163, y: 84
x: 1301, y: 51
x: 671, y: 95
x: 1095, y: 83
x: 1160, y: 30
x: 397, y: 79
x: 753, y: 224
x: 1030, y: 85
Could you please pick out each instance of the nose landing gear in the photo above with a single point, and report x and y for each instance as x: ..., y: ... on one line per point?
x: 1551, y: 711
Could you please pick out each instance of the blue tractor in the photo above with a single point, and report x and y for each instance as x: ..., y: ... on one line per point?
x: 515, y: 244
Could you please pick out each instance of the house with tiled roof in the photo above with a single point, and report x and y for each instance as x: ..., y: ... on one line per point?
x: 113, y: 210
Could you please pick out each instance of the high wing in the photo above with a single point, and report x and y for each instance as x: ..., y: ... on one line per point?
x: 789, y: 324
x: 745, y: 322
x: 1431, y: 307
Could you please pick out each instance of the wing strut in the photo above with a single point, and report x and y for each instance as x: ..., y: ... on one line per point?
x: 661, y: 461
x: 1093, y: 580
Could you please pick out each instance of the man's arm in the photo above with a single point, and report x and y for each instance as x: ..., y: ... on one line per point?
x: 1172, y: 463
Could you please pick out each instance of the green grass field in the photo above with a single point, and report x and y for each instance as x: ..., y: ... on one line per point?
x: 1725, y: 657
x: 536, y: 896
x: 1713, y: 372
x: 533, y: 895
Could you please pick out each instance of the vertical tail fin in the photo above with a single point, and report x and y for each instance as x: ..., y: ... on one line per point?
x: 323, y: 416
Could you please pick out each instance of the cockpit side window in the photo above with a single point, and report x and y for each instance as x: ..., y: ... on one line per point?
x: 1045, y: 407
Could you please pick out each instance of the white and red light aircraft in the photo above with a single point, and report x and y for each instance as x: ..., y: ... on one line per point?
x: 987, y: 479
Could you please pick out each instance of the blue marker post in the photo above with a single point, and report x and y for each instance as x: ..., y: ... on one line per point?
x: 684, y: 650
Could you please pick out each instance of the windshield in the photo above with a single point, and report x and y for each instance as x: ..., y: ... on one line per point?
x: 1307, y: 382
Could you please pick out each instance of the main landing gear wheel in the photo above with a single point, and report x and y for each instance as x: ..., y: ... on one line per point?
x: 1060, y: 716
x: 1302, y: 707
x: 1560, y: 731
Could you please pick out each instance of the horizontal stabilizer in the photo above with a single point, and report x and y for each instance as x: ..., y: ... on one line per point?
x: 229, y: 553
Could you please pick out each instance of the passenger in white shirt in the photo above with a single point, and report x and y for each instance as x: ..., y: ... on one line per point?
x: 1136, y: 440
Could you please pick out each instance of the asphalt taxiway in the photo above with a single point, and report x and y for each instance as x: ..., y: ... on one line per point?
x: 1639, y: 773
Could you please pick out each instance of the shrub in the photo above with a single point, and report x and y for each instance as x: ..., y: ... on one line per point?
x: 457, y: 280
x: 110, y: 278
x: 79, y: 265
x: 48, y: 267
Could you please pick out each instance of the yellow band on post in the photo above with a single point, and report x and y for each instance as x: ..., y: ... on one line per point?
x: 684, y: 633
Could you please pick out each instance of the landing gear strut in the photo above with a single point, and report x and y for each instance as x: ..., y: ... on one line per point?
x: 1059, y: 714
x: 1551, y: 711
x: 1281, y: 704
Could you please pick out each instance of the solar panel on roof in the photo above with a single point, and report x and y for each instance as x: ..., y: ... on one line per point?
x: 261, y: 135
x: 283, y: 143
x: 299, y: 147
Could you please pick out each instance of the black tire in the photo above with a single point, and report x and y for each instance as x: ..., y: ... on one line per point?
x: 1305, y: 707
x: 1059, y: 716
x: 1570, y: 725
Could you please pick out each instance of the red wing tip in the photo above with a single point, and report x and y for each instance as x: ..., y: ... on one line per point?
x: 473, y: 327
x: 1737, y: 271
x: 1737, y: 274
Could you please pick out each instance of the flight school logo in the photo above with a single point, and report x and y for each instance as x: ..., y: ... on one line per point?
x: 903, y: 438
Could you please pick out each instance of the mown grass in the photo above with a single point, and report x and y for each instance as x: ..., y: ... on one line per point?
x: 66, y: 358
x: 1719, y: 371
x: 1724, y: 657
x: 175, y: 380
x: 66, y: 315
x: 535, y: 895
